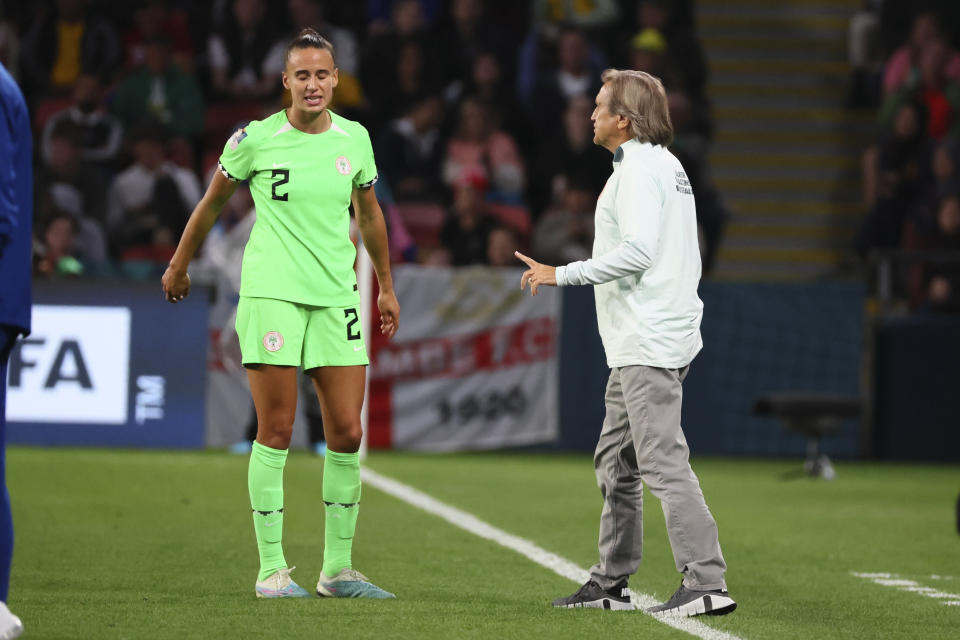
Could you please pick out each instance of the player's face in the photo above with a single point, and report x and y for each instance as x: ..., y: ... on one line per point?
x: 311, y: 76
x: 606, y: 126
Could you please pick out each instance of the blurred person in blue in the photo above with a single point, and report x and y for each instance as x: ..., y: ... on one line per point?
x: 645, y: 269
x: 16, y: 214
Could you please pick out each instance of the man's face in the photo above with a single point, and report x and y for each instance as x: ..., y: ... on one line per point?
x: 606, y: 126
x: 311, y: 76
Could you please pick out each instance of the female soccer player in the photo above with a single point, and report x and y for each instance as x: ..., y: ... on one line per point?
x: 299, y: 304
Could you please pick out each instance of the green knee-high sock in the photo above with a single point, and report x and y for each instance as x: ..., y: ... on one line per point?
x: 341, y: 495
x: 265, y: 481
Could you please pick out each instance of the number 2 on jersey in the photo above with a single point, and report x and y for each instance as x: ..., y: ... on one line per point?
x: 284, y: 175
x: 351, y: 333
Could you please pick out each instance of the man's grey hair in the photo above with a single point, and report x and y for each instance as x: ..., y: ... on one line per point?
x: 640, y: 98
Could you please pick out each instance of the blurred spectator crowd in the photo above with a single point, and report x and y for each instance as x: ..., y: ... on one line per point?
x: 911, y: 174
x: 479, y: 112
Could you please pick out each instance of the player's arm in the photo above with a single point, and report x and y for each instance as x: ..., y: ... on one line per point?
x: 176, y: 282
x: 373, y: 230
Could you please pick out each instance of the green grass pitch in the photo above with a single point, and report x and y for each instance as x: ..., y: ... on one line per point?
x: 138, y: 544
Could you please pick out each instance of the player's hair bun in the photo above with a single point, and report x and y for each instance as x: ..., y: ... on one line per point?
x: 310, y: 34
x: 309, y: 39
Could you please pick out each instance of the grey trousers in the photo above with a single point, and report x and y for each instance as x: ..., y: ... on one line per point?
x: 642, y: 441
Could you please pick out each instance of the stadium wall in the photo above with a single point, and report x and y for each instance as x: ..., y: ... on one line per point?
x: 117, y: 366
x: 109, y: 366
x: 758, y: 338
x: 915, y: 386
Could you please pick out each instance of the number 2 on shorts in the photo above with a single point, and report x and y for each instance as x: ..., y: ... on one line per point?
x: 351, y: 333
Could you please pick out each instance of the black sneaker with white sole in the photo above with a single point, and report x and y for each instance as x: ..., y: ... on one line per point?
x: 593, y: 596
x: 686, y: 602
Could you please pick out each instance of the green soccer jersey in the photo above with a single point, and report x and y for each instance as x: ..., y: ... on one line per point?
x: 300, y: 249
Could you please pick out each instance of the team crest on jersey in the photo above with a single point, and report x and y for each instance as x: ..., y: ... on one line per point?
x: 237, y: 138
x: 273, y: 341
x: 343, y: 165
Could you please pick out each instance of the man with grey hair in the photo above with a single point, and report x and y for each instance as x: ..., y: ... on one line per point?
x: 645, y: 270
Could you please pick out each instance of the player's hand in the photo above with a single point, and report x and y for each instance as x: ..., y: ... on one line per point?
x: 537, y: 275
x: 176, y: 285
x: 389, y: 313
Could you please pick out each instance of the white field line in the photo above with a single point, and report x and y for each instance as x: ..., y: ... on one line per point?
x: 555, y: 563
x: 912, y: 586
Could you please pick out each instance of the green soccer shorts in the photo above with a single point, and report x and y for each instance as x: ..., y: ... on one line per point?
x: 286, y: 333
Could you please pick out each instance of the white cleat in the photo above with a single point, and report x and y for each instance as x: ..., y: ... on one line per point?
x: 280, y: 585
x: 350, y: 583
x: 10, y: 625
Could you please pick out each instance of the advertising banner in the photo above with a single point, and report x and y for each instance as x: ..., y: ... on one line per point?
x: 473, y: 366
x: 109, y: 365
x: 52, y: 372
